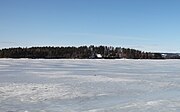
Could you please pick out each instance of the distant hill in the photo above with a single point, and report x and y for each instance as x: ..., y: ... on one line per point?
x: 82, y: 52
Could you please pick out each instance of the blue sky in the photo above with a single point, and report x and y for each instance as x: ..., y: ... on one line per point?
x: 149, y: 25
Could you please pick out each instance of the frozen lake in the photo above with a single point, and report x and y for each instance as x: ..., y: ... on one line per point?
x: 89, y: 85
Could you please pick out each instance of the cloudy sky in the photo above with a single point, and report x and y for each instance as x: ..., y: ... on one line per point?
x: 149, y: 25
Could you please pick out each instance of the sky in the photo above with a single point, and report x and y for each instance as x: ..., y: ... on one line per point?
x: 148, y: 25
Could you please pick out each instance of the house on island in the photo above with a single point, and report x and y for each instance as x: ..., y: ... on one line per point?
x: 99, y: 56
x: 96, y: 56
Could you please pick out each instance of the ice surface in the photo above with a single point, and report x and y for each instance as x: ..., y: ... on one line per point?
x: 28, y: 85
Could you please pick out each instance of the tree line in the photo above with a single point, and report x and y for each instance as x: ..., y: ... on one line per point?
x: 82, y: 52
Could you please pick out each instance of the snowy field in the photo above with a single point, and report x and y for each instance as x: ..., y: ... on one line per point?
x: 89, y: 85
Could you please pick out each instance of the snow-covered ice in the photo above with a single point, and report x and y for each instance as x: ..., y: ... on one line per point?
x: 74, y: 85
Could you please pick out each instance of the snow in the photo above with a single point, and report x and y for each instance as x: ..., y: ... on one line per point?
x: 75, y: 85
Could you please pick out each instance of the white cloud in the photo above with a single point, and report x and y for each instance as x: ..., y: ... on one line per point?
x: 107, y: 36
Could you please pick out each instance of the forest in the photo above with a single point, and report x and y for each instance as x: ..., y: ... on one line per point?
x: 82, y: 52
